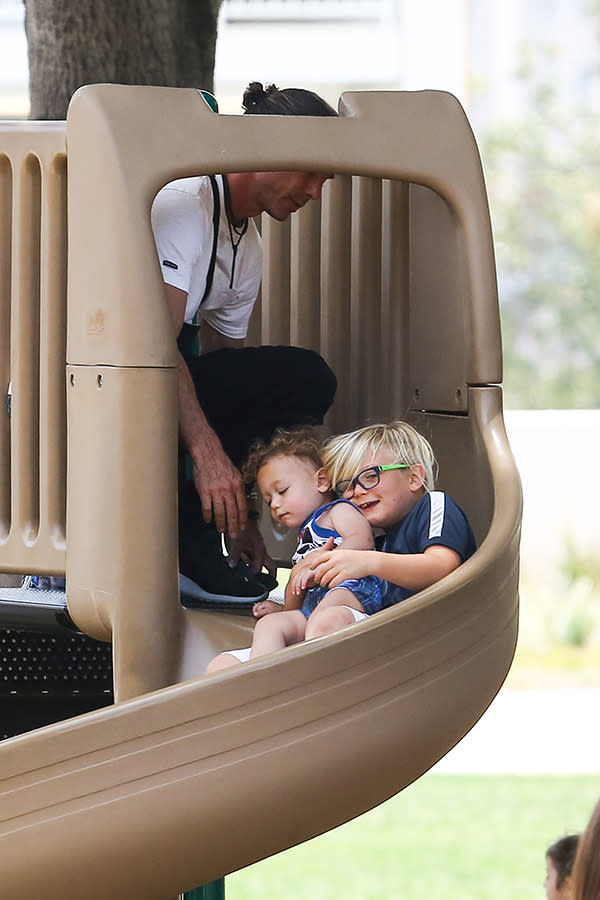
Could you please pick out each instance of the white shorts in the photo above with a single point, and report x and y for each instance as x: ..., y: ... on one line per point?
x: 357, y: 613
x: 240, y: 655
x: 243, y: 655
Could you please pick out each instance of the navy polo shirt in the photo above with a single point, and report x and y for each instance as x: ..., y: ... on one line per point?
x: 435, y: 520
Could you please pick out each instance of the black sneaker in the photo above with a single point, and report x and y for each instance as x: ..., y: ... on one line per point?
x: 205, y: 576
x: 216, y: 583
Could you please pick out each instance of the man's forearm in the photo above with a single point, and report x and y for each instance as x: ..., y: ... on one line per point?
x: 195, y: 432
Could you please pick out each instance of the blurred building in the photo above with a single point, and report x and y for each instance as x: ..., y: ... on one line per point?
x: 335, y: 45
x: 14, y: 71
x: 472, y: 48
x: 555, y: 41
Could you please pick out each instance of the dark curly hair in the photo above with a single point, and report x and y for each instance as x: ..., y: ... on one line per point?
x: 271, y: 101
x: 562, y: 853
x: 304, y: 443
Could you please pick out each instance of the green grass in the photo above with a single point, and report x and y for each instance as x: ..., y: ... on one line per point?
x: 443, y: 838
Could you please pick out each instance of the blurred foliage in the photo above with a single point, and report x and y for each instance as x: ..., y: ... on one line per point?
x: 543, y: 175
x: 574, y: 617
x: 559, y: 628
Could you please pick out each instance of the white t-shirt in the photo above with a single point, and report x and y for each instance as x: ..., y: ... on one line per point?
x: 182, y: 222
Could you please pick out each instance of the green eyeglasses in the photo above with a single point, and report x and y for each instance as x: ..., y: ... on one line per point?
x: 367, y: 479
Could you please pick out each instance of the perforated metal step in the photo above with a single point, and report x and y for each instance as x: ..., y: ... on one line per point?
x: 32, y: 664
x: 48, y: 670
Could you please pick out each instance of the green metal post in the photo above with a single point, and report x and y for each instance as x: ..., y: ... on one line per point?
x: 213, y: 891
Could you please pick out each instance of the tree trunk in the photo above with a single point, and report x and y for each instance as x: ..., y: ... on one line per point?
x: 76, y: 42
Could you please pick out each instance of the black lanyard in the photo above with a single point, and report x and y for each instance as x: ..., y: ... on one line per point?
x: 239, y: 231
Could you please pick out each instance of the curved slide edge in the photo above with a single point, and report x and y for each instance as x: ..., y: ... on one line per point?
x: 156, y: 795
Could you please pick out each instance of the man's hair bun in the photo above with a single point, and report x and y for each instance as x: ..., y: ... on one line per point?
x: 270, y: 101
x: 255, y: 94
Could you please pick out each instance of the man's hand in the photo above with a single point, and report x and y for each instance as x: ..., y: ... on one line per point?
x: 249, y: 544
x: 221, y: 489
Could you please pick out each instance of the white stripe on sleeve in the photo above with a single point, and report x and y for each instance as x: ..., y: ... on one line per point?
x: 436, y: 514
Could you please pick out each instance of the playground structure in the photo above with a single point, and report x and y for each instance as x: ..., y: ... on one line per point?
x: 392, y: 278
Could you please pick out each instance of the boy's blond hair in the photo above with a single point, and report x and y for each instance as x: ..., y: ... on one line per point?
x: 342, y: 455
x: 305, y: 443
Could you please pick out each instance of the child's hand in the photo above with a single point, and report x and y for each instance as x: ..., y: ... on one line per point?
x: 302, y: 576
x: 333, y: 567
x: 265, y: 607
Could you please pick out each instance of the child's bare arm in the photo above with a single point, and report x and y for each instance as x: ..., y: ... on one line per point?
x: 414, y: 571
x: 293, y: 598
x: 352, y: 527
x: 356, y: 532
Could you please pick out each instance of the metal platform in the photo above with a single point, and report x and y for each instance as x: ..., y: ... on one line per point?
x: 35, y: 609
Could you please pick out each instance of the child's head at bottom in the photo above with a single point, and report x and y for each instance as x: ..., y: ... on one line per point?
x: 383, y: 469
x: 290, y: 476
x: 560, y: 857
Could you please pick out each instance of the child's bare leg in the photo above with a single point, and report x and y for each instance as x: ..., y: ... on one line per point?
x: 222, y: 661
x: 276, y: 632
x: 332, y: 613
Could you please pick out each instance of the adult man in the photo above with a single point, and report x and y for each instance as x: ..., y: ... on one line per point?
x: 230, y: 396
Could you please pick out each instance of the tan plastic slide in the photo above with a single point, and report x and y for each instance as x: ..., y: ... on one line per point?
x: 392, y: 278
